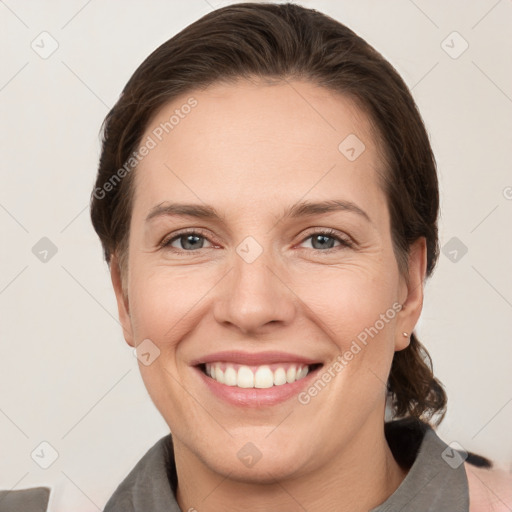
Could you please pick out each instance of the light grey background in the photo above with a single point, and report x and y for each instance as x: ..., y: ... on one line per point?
x: 66, y: 375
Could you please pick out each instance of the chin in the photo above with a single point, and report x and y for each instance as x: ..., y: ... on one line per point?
x: 259, y: 455
x: 268, y: 469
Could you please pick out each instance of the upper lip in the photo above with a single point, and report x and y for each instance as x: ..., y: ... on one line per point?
x: 254, y: 359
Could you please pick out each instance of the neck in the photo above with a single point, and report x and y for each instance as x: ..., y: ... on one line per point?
x: 358, y: 478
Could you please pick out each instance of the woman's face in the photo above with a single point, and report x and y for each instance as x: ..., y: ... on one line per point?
x: 269, y: 285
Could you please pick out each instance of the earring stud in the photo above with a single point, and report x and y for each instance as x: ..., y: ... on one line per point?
x: 405, y: 334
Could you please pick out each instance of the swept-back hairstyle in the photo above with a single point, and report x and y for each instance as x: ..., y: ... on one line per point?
x: 276, y: 42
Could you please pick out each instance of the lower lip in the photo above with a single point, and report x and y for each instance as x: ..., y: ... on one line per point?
x: 256, y: 397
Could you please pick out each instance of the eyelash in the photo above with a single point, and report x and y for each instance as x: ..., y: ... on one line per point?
x: 330, y: 233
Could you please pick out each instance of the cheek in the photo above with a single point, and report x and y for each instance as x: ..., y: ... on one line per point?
x: 166, y: 302
x: 165, y: 307
x: 349, y: 299
x: 356, y: 308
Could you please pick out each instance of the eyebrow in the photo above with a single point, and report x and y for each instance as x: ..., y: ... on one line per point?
x: 297, y: 210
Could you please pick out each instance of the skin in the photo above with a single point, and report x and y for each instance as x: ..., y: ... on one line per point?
x: 489, y: 489
x: 251, y: 150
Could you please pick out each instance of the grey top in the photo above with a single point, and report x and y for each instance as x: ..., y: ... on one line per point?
x: 34, y: 499
x: 436, y: 481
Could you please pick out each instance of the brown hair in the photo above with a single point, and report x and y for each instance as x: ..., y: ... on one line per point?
x: 278, y: 42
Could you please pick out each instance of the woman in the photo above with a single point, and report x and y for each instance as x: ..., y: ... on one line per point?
x: 267, y: 201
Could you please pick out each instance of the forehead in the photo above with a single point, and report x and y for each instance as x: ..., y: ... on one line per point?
x: 260, y: 144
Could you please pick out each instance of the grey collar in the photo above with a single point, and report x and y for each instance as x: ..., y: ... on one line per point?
x: 147, y: 487
x: 436, y: 482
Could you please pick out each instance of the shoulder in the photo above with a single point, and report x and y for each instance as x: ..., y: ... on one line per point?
x: 490, y: 490
x: 146, y: 485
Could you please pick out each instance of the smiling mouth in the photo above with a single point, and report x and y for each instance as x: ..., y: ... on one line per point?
x: 260, y: 377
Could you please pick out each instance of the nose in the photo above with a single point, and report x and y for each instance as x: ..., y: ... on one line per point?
x: 254, y: 295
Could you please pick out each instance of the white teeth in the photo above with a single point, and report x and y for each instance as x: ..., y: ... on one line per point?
x: 230, y: 376
x: 263, y: 376
x: 291, y: 373
x: 245, y: 377
x: 219, y: 375
x: 300, y: 373
x: 279, y: 377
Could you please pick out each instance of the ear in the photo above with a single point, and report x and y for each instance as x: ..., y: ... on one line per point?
x: 122, y: 301
x: 411, y: 293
